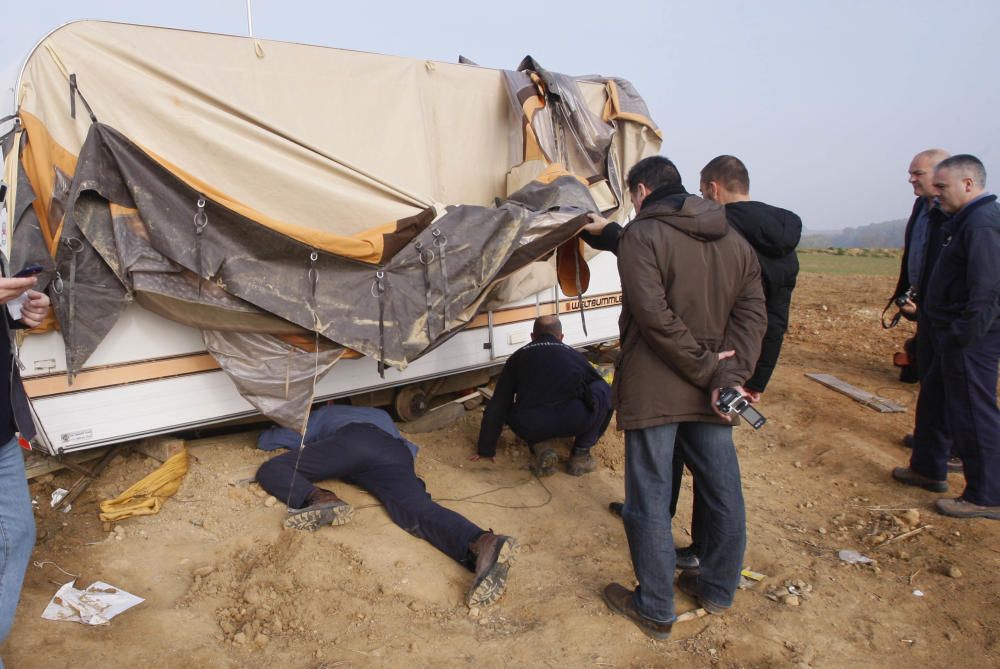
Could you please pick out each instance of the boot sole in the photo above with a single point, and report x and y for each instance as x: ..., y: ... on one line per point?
x: 315, y: 518
x: 992, y: 515
x: 494, y: 582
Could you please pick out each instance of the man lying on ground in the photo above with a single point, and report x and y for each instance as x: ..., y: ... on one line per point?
x: 361, y: 446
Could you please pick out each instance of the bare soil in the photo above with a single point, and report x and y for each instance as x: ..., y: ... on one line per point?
x: 227, y: 586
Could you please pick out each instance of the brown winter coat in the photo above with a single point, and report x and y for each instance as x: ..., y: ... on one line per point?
x: 691, y: 288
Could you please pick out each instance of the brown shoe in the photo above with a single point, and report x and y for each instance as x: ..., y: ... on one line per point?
x: 959, y: 508
x: 580, y: 464
x: 907, y: 476
x: 620, y: 600
x: 494, y: 553
x: 322, y: 508
x: 687, y: 582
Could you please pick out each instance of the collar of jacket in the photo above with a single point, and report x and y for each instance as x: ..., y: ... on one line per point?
x: 701, y: 219
x: 956, y: 220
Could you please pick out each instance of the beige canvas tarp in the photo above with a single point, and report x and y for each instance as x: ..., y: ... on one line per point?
x: 372, y: 200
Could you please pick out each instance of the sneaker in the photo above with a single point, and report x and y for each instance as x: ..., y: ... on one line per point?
x: 687, y: 582
x: 909, y: 477
x: 959, y: 508
x: 323, y: 507
x: 687, y: 559
x: 621, y: 600
x: 544, y: 461
x: 955, y: 466
x: 494, y: 553
x: 580, y: 464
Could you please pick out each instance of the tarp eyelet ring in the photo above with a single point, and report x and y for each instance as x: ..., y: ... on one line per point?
x: 73, y: 244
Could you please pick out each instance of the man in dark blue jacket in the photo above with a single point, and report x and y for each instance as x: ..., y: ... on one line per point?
x: 546, y: 390
x: 361, y: 445
x: 962, y: 305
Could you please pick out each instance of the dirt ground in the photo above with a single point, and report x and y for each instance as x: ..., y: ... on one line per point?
x: 226, y: 586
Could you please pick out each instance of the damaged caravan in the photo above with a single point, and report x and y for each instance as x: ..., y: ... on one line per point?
x: 232, y: 226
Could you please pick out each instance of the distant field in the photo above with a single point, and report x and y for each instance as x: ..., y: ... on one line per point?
x: 869, y: 265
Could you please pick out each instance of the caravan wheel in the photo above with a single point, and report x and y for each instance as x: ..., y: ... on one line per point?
x: 411, y: 402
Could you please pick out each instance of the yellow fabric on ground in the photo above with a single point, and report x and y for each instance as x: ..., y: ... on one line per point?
x: 146, y: 497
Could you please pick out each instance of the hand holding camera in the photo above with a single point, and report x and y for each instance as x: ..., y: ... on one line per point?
x: 728, y: 401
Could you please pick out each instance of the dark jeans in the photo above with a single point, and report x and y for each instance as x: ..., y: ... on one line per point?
x: 711, y: 456
x: 366, y: 456
x: 566, y: 419
x: 958, y: 397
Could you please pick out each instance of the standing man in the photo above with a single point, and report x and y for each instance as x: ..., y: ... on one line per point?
x: 547, y: 389
x: 17, y: 522
x: 692, y: 320
x: 962, y: 305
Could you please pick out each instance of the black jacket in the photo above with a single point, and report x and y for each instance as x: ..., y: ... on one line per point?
x: 773, y: 233
x: 932, y: 247
x: 963, y: 291
x: 545, y: 372
x: 15, y: 412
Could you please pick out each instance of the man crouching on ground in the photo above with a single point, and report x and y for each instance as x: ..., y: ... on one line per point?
x: 692, y: 320
x: 362, y: 446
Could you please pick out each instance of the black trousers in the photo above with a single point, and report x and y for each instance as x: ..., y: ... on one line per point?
x: 957, y: 407
x: 567, y: 419
x: 366, y: 456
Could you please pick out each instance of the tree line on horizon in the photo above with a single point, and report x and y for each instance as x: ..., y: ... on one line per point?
x: 884, y: 235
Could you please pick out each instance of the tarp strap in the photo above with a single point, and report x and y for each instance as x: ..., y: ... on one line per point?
x: 426, y: 257
x: 313, y: 286
x: 379, y: 288
x: 440, y: 241
x: 579, y: 291
x: 76, y: 247
x: 200, y: 223
x: 74, y: 91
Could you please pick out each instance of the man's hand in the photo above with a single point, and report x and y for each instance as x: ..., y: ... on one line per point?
x: 33, y: 311
x: 726, y: 354
x: 11, y: 288
x: 596, y: 225
x: 477, y: 458
x: 753, y: 396
x: 909, y: 308
x: 715, y: 398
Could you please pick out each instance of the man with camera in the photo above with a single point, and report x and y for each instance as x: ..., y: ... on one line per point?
x: 692, y: 320
x: 961, y: 304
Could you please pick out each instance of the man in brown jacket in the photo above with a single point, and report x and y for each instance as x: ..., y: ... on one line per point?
x: 692, y: 320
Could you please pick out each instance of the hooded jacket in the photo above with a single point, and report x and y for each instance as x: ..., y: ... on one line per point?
x: 773, y: 233
x: 690, y: 288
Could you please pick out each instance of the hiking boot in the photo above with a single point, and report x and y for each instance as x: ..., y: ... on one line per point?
x: 580, y: 464
x: 543, y: 461
x: 621, y: 600
x: 322, y: 508
x: 959, y: 508
x: 955, y: 466
x: 908, y: 441
x: 494, y: 553
x: 616, y: 508
x: 687, y: 559
x: 687, y: 582
x: 909, y: 477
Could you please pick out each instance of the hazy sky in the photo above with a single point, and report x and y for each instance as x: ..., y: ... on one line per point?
x: 826, y: 102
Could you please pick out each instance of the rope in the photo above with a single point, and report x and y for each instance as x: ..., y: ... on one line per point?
x: 42, y: 564
x: 471, y: 499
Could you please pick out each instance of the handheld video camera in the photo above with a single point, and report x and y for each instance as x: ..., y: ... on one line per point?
x: 731, y: 400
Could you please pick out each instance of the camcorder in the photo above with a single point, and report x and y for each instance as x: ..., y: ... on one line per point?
x: 730, y: 400
x: 901, y: 301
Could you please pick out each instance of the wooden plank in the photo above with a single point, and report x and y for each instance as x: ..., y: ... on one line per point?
x: 866, y: 398
x: 36, y: 463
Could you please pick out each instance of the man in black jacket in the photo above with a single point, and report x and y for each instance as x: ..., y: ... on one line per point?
x: 962, y: 306
x: 548, y: 389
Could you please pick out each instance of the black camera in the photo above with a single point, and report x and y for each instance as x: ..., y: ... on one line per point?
x: 731, y: 400
x: 909, y: 295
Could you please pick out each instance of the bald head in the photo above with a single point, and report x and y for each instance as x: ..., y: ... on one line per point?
x: 922, y: 172
x: 547, y: 325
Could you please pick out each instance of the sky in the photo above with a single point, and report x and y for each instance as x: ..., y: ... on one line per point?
x: 825, y: 102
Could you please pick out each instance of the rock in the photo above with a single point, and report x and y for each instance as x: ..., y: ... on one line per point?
x: 261, y: 640
x: 474, y: 611
x: 416, y: 606
x: 240, y: 638
x: 270, y: 501
x: 954, y: 572
x: 910, y: 517
x: 791, y: 600
x: 204, y: 571
x: 821, y: 530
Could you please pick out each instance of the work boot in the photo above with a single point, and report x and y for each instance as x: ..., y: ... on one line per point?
x: 322, y: 507
x: 580, y: 464
x: 621, y: 600
x: 909, y: 477
x: 959, y: 508
x: 494, y: 553
x: 687, y: 582
x: 543, y: 461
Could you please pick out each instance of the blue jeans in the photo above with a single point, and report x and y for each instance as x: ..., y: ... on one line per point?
x: 17, y: 532
x: 711, y: 456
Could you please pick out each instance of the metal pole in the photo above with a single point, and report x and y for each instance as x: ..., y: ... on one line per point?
x: 250, y: 19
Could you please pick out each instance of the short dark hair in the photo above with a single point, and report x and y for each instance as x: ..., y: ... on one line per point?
x: 729, y: 172
x: 967, y: 165
x: 653, y: 172
x: 547, y: 325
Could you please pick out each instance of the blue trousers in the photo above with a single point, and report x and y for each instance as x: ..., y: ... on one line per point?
x: 365, y: 456
x: 567, y: 419
x: 711, y: 456
x: 17, y: 532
